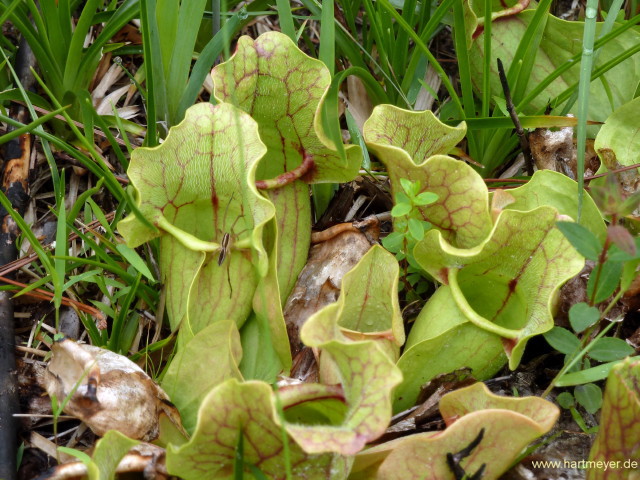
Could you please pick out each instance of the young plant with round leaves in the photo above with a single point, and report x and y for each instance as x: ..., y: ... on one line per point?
x: 616, y: 260
x: 409, y: 229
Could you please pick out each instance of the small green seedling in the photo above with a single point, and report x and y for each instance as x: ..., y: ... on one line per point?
x: 409, y: 228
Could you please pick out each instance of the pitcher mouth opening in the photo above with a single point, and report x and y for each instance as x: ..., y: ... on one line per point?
x: 494, y: 314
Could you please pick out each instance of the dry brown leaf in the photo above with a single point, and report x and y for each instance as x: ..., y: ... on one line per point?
x: 111, y: 392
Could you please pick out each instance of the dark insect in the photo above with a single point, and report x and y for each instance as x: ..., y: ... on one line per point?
x: 224, y: 248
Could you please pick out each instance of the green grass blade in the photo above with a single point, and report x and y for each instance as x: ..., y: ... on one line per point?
x: 74, y: 55
x: 462, y: 54
x: 105, y: 171
x: 519, y: 71
x: 207, y: 57
x: 156, y: 86
x: 238, y: 460
x: 43, y: 256
x: 586, y: 63
x: 541, y: 87
x: 120, y: 320
x: 606, y: 28
x: 286, y: 19
x: 190, y: 15
x: 428, y: 31
x: 327, y: 36
x: 128, y: 10
x: 31, y: 126
x: 432, y: 60
x: 61, y: 244
x: 486, y: 71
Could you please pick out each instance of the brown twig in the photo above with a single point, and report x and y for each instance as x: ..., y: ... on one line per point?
x: 524, y: 141
x: 44, y: 295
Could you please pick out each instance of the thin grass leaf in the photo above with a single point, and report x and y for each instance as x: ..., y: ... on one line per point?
x: 119, y: 322
x: 356, y: 135
x: 156, y: 87
x: 538, y: 89
x: 74, y: 54
x: 524, y: 58
x: 427, y: 32
x: 61, y: 244
x: 432, y: 60
x: 207, y: 58
x: 464, y: 69
x: 586, y: 63
x: 286, y: 19
x: 606, y: 28
x: 189, y: 16
x: 327, y: 52
x: 238, y: 461
x: 31, y: 126
x: 43, y: 256
x: 105, y: 171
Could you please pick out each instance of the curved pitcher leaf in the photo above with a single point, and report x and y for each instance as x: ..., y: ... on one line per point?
x: 442, y: 340
x: 618, y: 145
x: 547, y: 187
x: 249, y: 407
x: 620, y: 134
x: 410, y: 144
x: 509, y: 425
x: 282, y: 89
x: 269, y: 318
x: 617, y: 440
x: 366, y: 372
x: 560, y: 40
x: 369, y: 307
x: 507, y: 285
x: 208, y: 359
x: 198, y: 188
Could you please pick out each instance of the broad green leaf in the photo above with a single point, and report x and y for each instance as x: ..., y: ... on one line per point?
x: 407, y: 185
x: 208, y: 359
x: 604, y: 279
x: 507, y: 285
x: 589, y: 396
x: 249, y: 407
x: 443, y: 340
x: 582, y: 316
x: 582, y: 239
x: 410, y: 144
x: 416, y: 229
x: 509, y: 424
x: 617, y: 439
x: 400, y: 209
x: 620, y: 134
x: 562, y: 340
x: 198, y: 187
x: 559, y: 42
x: 282, y: 89
x: 107, y: 455
x: 425, y: 198
x: 547, y: 187
x: 565, y: 400
x: 609, y: 349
